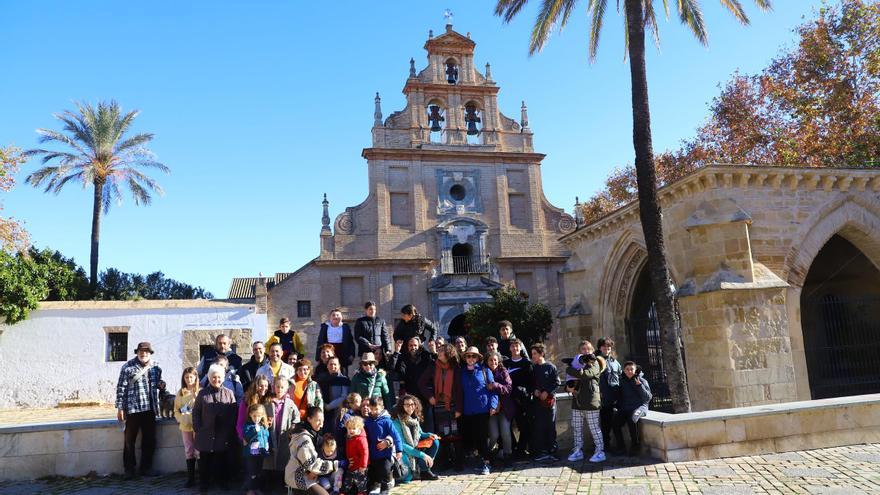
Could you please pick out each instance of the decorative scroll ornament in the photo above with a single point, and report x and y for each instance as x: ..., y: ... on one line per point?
x: 566, y: 224
x: 344, y: 223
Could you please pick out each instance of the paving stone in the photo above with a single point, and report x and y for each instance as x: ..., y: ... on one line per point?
x: 834, y: 490
x: 550, y: 472
x: 442, y: 488
x: 530, y: 490
x: 727, y: 490
x: 708, y: 471
x: 625, y: 490
x: 784, y: 457
x: 624, y: 472
x: 799, y: 472
x: 863, y: 456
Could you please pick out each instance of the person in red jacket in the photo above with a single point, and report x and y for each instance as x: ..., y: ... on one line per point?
x: 354, y: 481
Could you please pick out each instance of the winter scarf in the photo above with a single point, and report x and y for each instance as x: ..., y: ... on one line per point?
x: 444, y: 378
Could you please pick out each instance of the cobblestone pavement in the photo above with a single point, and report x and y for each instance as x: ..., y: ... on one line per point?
x: 849, y: 470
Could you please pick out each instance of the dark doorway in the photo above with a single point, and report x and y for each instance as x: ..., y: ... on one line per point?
x: 462, y: 259
x: 456, y: 327
x: 643, y: 332
x: 840, y: 318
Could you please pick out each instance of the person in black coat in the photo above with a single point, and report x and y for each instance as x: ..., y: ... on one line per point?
x: 520, y: 370
x: 371, y: 334
x: 222, y: 347
x: 410, y: 365
x: 337, y: 333
x: 412, y: 324
x: 248, y: 372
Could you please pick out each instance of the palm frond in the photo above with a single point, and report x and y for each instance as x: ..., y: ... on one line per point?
x: 545, y: 22
x: 596, y: 8
x: 59, y: 184
x: 691, y: 16
x: 651, y: 22
x: 764, y: 5
x: 736, y: 8
x: 507, y: 9
x: 134, y: 141
x: 111, y: 195
x: 48, y: 135
x: 38, y: 176
x: 140, y: 193
x: 143, y: 179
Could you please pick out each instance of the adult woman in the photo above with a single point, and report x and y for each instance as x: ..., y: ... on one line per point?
x: 214, y: 422
x: 370, y: 381
x: 478, y: 402
x: 304, y: 465
x: 284, y: 416
x: 305, y: 391
x: 326, y: 352
x: 445, y: 387
x: 183, y: 404
x: 406, y: 417
x: 257, y: 393
x: 412, y: 324
x: 501, y: 418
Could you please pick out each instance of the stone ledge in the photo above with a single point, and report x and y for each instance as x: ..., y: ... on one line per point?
x: 143, y: 304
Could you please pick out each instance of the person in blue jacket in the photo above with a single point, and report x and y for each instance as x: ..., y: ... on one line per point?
x: 384, y: 441
x: 477, y: 404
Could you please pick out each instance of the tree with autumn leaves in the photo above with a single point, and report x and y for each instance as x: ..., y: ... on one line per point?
x: 816, y: 104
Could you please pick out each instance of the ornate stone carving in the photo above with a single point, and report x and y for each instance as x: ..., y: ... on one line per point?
x: 344, y: 223
x: 565, y: 224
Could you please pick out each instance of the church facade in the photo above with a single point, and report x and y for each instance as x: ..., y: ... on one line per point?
x: 454, y: 208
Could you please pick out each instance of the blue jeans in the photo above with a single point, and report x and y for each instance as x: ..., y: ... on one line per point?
x: 431, y: 451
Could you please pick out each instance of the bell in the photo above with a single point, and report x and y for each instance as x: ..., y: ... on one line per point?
x: 435, y: 126
x: 435, y: 118
x: 451, y: 74
x: 472, y: 128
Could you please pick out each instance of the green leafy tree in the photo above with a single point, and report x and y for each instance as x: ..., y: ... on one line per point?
x: 99, y: 155
x: 116, y: 285
x: 532, y: 322
x: 22, y: 286
x: 639, y: 15
x: 65, y: 279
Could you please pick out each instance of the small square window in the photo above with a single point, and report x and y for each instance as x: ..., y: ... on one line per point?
x: 304, y: 309
x: 117, y: 346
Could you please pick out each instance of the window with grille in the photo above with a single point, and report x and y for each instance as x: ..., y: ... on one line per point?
x: 304, y: 309
x: 117, y: 346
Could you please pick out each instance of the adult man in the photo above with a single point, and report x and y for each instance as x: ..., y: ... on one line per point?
x: 410, y: 366
x: 520, y: 370
x: 289, y: 340
x: 222, y: 347
x: 248, y: 372
x: 274, y: 366
x: 371, y: 334
x: 334, y: 331
x: 137, y: 404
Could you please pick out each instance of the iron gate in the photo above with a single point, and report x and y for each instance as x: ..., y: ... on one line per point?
x: 646, y: 350
x: 842, y: 344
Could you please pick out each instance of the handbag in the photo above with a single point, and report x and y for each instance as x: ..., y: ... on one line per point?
x: 398, y: 468
x: 427, y: 443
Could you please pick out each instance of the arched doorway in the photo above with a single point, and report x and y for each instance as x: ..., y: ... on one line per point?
x: 840, y: 318
x: 645, y: 346
x: 456, y: 327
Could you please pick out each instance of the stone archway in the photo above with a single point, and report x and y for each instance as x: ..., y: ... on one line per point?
x: 456, y: 327
x: 840, y: 304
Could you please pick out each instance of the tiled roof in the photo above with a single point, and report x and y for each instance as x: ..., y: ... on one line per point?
x: 246, y: 287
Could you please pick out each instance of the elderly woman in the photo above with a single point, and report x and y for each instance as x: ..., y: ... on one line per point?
x: 213, y: 419
x: 305, y: 391
x: 305, y: 465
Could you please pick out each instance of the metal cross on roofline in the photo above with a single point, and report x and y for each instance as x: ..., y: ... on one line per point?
x: 447, y: 14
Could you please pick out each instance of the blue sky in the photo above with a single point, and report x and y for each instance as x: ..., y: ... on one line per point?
x: 260, y: 107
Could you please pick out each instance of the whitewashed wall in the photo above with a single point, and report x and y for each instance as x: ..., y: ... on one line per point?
x: 59, y: 352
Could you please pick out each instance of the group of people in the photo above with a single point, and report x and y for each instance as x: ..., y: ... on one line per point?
x: 412, y: 401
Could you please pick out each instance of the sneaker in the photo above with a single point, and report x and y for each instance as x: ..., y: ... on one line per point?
x: 485, y: 470
x: 598, y: 457
x: 576, y: 455
x: 543, y: 458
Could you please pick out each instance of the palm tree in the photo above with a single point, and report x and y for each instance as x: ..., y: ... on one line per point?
x: 638, y: 15
x: 102, y: 156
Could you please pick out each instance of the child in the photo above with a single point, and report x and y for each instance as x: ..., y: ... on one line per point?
x: 331, y: 482
x: 545, y: 380
x: 635, y: 394
x: 231, y: 381
x: 585, y: 347
x: 358, y: 453
x: 383, y: 442
x: 183, y: 404
x: 256, y: 437
x: 350, y: 407
x: 586, y: 402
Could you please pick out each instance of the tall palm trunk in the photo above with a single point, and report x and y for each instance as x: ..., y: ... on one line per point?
x: 649, y: 210
x: 98, y: 202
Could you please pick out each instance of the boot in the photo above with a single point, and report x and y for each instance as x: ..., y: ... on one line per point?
x: 190, y: 473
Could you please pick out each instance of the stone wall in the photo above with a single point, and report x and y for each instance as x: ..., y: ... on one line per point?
x: 739, y: 241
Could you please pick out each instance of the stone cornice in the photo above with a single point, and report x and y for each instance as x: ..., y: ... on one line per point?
x: 375, y: 261
x: 445, y: 155
x: 531, y: 259
x: 729, y: 176
x: 445, y: 89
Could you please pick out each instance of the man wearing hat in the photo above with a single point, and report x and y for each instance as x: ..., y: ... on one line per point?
x: 137, y: 404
